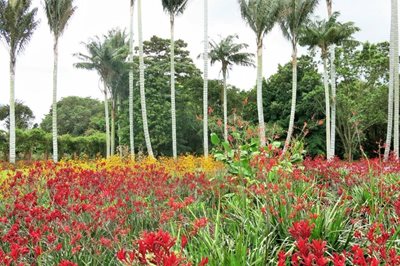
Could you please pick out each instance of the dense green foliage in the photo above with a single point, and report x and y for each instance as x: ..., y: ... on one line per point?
x: 362, y: 71
x: 78, y: 116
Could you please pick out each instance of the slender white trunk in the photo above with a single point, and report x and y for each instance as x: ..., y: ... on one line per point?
x: 54, y: 124
x: 205, y: 89
x: 294, y: 96
x: 327, y: 107
x: 225, y: 106
x: 141, y: 81
x: 112, y: 126
x: 261, y: 130
x: 333, y: 107
x: 391, y: 89
x: 396, y: 79
x: 173, y: 110
x: 131, y: 133
x: 331, y: 155
x: 119, y: 133
x: 12, y: 109
x: 107, y: 117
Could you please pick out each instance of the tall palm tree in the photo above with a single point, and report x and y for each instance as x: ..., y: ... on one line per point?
x: 393, y: 84
x: 58, y: 13
x: 295, y: 14
x: 229, y: 53
x: 205, y: 87
x: 104, y: 56
x: 333, y: 88
x: 174, y: 8
x: 130, y: 60
x: 261, y: 16
x: 18, y: 22
x: 116, y: 41
x: 323, y: 34
x: 141, y: 81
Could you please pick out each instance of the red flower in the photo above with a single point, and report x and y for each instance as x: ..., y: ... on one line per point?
x: 204, y: 261
x: 67, y: 263
x: 183, y: 241
x: 121, y: 255
x: 301, y: 229
x: 281, y: 258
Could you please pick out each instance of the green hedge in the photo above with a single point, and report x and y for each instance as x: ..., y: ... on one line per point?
x: 37, y: 144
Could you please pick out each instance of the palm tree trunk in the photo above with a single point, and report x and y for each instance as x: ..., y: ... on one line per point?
x: 173, y: 110
x: 225, y: 96
x: 391, y: 88
x: 327, y: 107
x: 141, y: 81
x: 205, y: 89
x: 108, y: 144
x: 396, y: 79
x: 112, y: 126
x: 294, y: 96
x: 331, y: 155
x: 131, y: 133
x: 54, y: 126
x: 119, y: 133
x: 333, y: 114
x: 12, y: 109
x: 259, y: 93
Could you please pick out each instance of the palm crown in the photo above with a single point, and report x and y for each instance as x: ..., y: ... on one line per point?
x: 260, y: 15
x: 324, y: 33
x: 230, y: 53
x: 174, y: 7
x: 58, y: 13
x: 17, y: 23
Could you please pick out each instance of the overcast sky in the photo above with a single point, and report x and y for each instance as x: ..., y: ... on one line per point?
x: 96, y: 17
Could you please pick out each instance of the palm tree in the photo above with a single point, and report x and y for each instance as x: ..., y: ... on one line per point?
x: 18, y: 22
x: 104, y: 56
x: 174, y: 8
x: 261, y: 16
x: 393, y: 85
x: 141, y: 81
x: 130, y: 60
x: 323, y: 34
x: 205, y: 87
x: 295, y: 14
x: 229, y: 53
x: 58, y: 13
x: 116, y: 41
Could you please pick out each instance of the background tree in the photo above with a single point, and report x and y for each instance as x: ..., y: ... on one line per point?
x: 77, y: 116
x: 363, y: 76
x: 103, y: 56
x: 23, y: 115
x: 261, y: 16
x: 174, y: 8
x: 310, y: 103
x: 116, y: 42
x: 322, y: 34
x: 58, y: 13
x: 229, y: 53
x: 294, y: 16
x: 18, y: 22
